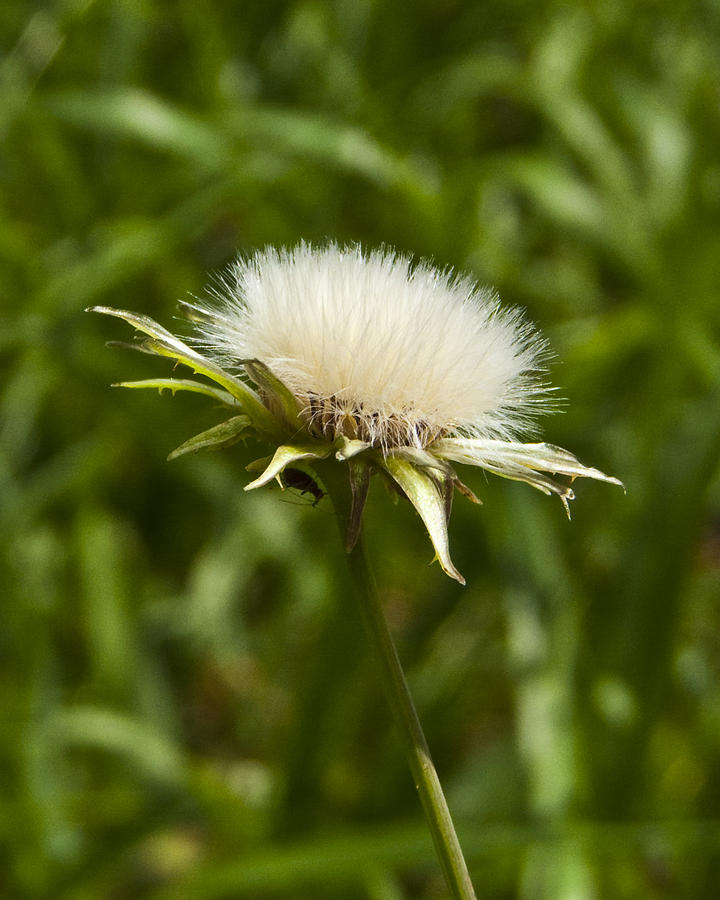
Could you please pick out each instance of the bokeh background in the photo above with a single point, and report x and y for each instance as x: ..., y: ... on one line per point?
x: 188, y: 706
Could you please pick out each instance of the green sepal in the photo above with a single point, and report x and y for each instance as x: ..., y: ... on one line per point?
x: 183, y: 384
x: 216, y: 438
x: 258, y: 465
x: 430, y: 497
x: 279, y: 395
x: 202, y: 366
x: 161, y: 342
x: 194, y: 313
x: 346, y: 448
x: 287, y: 454
x: 360, y: 473
x: 424, y: 460
x: 522, y: 462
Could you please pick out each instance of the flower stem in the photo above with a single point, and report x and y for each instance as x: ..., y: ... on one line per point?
x: 399, y: 699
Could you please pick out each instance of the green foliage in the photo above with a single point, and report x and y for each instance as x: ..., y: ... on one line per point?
x: 188, y: 708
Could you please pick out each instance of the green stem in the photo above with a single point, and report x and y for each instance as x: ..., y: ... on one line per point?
x: 446, y: 842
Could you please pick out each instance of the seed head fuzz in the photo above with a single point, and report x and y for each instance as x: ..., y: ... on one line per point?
x: 378, y: 347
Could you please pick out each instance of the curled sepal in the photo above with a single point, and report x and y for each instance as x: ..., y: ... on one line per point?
x: 183, y: 384
x: 216, y: 438
x: 278, y: 396
x: 161, y: 342
x: 429, y: 496
x: 359, y: 483
x: 346, y: 448
x: 522, y: 462
x: 287, y: 454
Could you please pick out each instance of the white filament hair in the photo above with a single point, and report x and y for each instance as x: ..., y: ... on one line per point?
x: 409, y: 351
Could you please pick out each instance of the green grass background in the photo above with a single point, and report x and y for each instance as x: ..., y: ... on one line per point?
x: 188, y: 707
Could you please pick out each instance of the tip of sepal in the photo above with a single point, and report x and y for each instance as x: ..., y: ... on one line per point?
x: 347, y: 448
x: 122, y: 345
x: 193, y: 313
x: 430, y: 497
x: 284, y: 456
x: 466, y: 492
x: 449, y: 569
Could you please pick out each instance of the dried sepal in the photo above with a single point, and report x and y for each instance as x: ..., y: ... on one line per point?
x: 424, y: 460
x: 446, y: 486
x: 429, y: 497
x: 360, y: 472
x: 522, y: 462
x: 463, y: 489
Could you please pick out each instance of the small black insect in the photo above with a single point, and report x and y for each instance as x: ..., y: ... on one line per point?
x: 302, y: 482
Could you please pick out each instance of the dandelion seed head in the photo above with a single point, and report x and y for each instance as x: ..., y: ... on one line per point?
x: 378, y: 346
x: 374, y: 362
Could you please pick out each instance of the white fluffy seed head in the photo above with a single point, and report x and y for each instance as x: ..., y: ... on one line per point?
x: 377, y: 346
